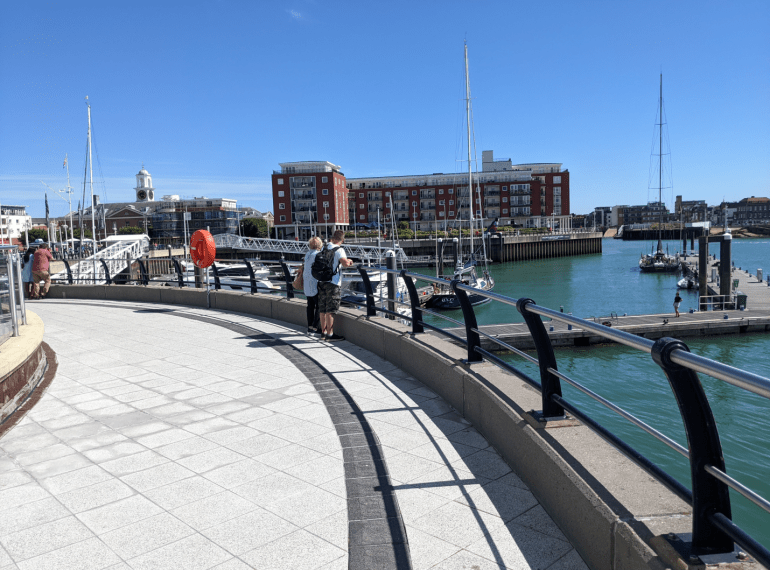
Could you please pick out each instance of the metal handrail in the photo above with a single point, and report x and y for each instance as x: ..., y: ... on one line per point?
x: 713, y: 530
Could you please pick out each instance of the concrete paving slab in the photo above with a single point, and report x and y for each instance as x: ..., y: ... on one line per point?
x: 241, y: 443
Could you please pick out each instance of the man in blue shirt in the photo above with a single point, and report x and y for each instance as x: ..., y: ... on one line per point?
x: 329, y: 292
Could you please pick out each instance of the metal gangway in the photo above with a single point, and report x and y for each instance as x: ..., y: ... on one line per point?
x: 111, y: 260
x: 366, y: 253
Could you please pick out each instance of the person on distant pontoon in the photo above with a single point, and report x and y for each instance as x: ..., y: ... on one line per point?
x: 677, y: 300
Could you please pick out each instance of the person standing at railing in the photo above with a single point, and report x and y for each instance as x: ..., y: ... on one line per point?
x: 310, y: 286
x: 329, y: 292
x: 26, y: 274
x: 40, y: 266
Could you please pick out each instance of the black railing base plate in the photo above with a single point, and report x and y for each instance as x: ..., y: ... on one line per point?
x: 676, y: 551
x: 537, y: 420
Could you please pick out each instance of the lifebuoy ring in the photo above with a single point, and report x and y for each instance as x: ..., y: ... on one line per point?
x: 203, y: 250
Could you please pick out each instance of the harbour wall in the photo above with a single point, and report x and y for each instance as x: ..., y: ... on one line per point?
x: 608, y: 508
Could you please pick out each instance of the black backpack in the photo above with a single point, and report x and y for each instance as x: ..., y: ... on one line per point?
x: 322, y: 268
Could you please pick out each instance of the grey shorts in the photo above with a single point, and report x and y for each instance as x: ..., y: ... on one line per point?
x: 328, y: 298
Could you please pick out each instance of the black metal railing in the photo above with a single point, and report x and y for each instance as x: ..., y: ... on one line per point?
x: 713, y: 531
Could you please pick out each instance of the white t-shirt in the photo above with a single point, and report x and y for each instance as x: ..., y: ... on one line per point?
x: 338, y: 255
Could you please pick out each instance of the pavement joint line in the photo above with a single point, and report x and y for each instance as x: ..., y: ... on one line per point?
x: 378, y: 529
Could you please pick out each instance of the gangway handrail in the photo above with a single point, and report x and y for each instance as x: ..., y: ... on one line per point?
x: 362, y: 252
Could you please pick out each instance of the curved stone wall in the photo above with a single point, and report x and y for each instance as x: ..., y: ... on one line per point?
x: 22, y: 364
x: 608, y: 507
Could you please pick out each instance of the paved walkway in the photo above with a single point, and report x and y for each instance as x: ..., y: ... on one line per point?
x: 174, y: 437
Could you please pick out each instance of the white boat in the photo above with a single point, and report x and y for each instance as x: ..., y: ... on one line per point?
x: 659, y: 261
x: 686, y: 283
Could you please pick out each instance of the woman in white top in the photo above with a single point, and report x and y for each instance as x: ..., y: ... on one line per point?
x: 311, y: 285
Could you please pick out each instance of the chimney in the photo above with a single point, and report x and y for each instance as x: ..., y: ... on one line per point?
x: 96, y: 200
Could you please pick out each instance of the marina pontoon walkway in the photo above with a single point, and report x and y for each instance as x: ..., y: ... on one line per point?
x: 173, y: 437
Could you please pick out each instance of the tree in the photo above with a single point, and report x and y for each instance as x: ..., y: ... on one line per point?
x: 130, y: 230
x: 254, y: 227
x: 37, y: 234
x: 86, y: 233
x: 403, y: 225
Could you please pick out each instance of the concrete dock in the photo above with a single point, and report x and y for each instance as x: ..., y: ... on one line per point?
x: 704, y: 323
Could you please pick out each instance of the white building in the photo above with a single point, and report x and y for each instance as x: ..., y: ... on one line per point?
x: 13, y: 221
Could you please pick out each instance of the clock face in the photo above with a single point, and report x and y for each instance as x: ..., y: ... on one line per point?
x: 142, y: 195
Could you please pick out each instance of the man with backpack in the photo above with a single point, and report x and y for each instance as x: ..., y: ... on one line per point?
x: 326, y: 269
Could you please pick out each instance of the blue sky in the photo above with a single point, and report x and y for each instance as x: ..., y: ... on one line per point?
x: 211, y: 96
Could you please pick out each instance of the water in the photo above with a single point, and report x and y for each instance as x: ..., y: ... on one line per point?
x: 596, y: 285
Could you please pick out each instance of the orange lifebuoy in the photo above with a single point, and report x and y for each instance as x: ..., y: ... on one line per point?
x: 202, y: 248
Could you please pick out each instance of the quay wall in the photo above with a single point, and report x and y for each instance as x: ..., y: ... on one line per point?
x: 22, y: 365
x: 608, y: 508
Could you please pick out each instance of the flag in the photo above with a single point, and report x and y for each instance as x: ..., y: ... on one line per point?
x: 47, y: 220
x: 65, y: 161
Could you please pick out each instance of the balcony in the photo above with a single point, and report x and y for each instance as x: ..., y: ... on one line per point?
x: 494, y: 203
x: 427, y: 195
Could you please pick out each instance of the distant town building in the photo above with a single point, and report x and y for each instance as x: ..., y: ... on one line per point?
x: 753, y: 211
x: 309, y: 197
x: 163, y: 220
x: 315, y: 197
x: 691, y: 210
x: 13, y: 221
x: 252, y: 213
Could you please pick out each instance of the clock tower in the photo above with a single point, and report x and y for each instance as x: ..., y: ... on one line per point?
x: 144, y: 190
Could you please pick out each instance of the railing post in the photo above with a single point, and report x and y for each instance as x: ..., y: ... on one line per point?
x: 469, y: 316
x: 69, y: 271
x: 217, y: 282
x: 371, y: 310
x: 252, y: 277
x: 143, y: 276
x: 709, y: 495
x: 11, y: 272
x: 390, y: 263
x: 546, y: 359
x: 20, y: 286
x: 106, y: 273
x: 289, y: 280
x: 415, y: 301
x: 178, y: 269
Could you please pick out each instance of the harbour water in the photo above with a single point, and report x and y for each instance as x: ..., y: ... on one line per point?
x: 596, y: 285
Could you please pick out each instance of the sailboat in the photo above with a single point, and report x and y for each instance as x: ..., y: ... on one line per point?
x: 464, y: 269
x: 659, y: 261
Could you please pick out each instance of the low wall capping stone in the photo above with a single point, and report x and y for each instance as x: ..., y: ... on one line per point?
x: 609, y: 508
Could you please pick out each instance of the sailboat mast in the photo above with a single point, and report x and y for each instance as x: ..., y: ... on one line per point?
x: 470, y: 173
x: 91, y: 166
x: 660, y: 170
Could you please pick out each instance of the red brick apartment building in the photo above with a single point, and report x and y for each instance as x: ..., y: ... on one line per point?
x: 315, y: 197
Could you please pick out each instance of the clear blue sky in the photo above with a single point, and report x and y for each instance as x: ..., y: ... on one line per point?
x: 212, y: 95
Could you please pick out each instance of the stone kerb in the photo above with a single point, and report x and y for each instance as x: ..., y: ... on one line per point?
x: 22, y: 363
x: 606, y: 506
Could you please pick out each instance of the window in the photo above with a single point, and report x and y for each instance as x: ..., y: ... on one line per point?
x: 324, y: 179
x: 451, y: 202
x: 451, y: 213
x: 325, y: 191
x: 414, y: 204
x: 361, y: 217
x: 414, y: 192
x: 505, y: 199
x: 360, y: 206
x: 280, y: 193
x: 450, y: 191
x: 326, y: 204
x: 281, y: 206
x: 441, y: 214
x: 505, y: 210
x: 441, y: 202
x: 326, y: 216
x: 557, y: 191
x: 557, y: 179
x: 440, y: 190
x: 505, y: 189
x: 360, y: 194
x: 283, y: 218
x: 280, y: 181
